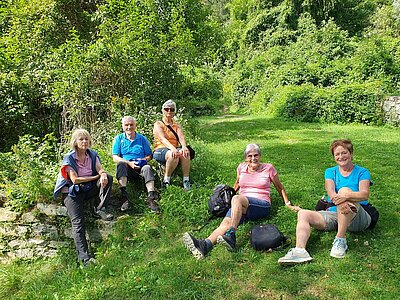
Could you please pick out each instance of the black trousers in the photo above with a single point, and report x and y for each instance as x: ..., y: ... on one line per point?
x: 75, y: 208
x: 123, y: 170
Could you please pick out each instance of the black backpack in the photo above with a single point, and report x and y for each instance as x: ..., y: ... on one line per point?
x: 373, y: 212
x: 219, y: 203
x: 220, y: 200
x: 268, y: 236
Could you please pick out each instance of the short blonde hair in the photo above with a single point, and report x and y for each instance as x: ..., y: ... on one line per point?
x: 251, y: 147
x: 78, y: 133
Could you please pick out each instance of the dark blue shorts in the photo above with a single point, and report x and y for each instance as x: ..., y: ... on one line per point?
x: 159, y: 154
x: 257, y: 209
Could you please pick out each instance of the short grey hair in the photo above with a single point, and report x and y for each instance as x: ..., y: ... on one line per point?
x: 126, y: 118
x: 169, y: 103
x: 251, y: 147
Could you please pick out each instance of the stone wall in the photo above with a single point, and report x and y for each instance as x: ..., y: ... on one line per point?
x: 391, y: 110
x: 41, y: 232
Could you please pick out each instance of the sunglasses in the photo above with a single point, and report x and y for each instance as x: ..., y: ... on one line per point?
x: 169, y: 109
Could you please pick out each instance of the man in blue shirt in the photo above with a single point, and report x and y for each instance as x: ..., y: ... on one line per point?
x: 131, y: 151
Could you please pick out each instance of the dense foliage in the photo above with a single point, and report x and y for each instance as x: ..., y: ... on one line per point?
x: 69, y: 63
x: 315, y: 63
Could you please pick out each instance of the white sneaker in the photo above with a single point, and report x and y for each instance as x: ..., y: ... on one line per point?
x: 295, y: 256
x: 339, y: 248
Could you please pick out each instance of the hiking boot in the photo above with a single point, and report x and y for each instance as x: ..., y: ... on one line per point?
x: 186, y: 185
x: 228, y: 239
x: 198, y: 248
x: 165, y: 184
x: 89, y: 262
x: 295, y: 256
x: 102, y: 214
x: 152, y: 204
x: 125, y: 202
x: 339, y: 248
x: 125, y: 206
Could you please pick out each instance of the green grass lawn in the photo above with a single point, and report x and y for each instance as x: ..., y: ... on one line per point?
x: 145, y: 258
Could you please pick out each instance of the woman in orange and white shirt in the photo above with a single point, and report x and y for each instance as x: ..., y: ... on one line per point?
x: 170, y: 149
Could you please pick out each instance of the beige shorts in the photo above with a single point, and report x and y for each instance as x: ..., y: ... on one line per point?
x: 360, y: 221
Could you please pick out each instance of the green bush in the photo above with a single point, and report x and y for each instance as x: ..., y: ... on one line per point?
x: 32, y: 173
x: 290, y: 102
x: 375, y: 59
x: 298, y: 105
x: 6, y: 167
x: 347, y: 103
x: 201, y: 88
x: 352, y: 103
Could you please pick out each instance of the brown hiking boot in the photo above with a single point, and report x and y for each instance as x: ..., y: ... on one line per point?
x: 152, y: 205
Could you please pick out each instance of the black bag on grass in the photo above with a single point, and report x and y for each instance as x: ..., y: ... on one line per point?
x: 267, y: 236
x: 219, y: 203
x: 373, y: 212
x: 220, y: 200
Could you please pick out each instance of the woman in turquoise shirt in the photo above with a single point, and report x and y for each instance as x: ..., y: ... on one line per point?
x: 347, y: 186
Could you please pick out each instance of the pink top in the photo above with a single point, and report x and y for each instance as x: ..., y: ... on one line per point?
x: 85, y: 168
x: 256, y: 184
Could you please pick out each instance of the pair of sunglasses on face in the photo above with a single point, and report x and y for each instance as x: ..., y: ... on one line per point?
x: 169, y: 109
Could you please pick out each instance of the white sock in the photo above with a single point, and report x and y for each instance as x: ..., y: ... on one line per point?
x: 302, y: 250
x: 186, y: 178
x: 167, y: 179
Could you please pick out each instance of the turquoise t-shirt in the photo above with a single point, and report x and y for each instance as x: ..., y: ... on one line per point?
x: 352, y: 181
x: 129, y: 150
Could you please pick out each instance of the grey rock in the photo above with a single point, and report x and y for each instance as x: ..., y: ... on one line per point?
x: 29, y: 218
x: 391, y: 110
x: 68, y: 232
x: 17, y: 244
x: 45, y: 230
x: 44, y: 252
x: 52, y: 209
x: 58, y: 244
x: 12, y: 230
x: 7, y: 229
x: 7, y: 215
x: 101, y: 231
x: 34, y: 242
x: 21, y: 230
x: 25, y: 253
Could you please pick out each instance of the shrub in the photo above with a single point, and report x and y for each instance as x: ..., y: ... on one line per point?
x: 201, y: 88
x: 352, y: 103
x: 292, y: 102
x: 32, y: 175
x: 298, y: 105
x: 346, y: 103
